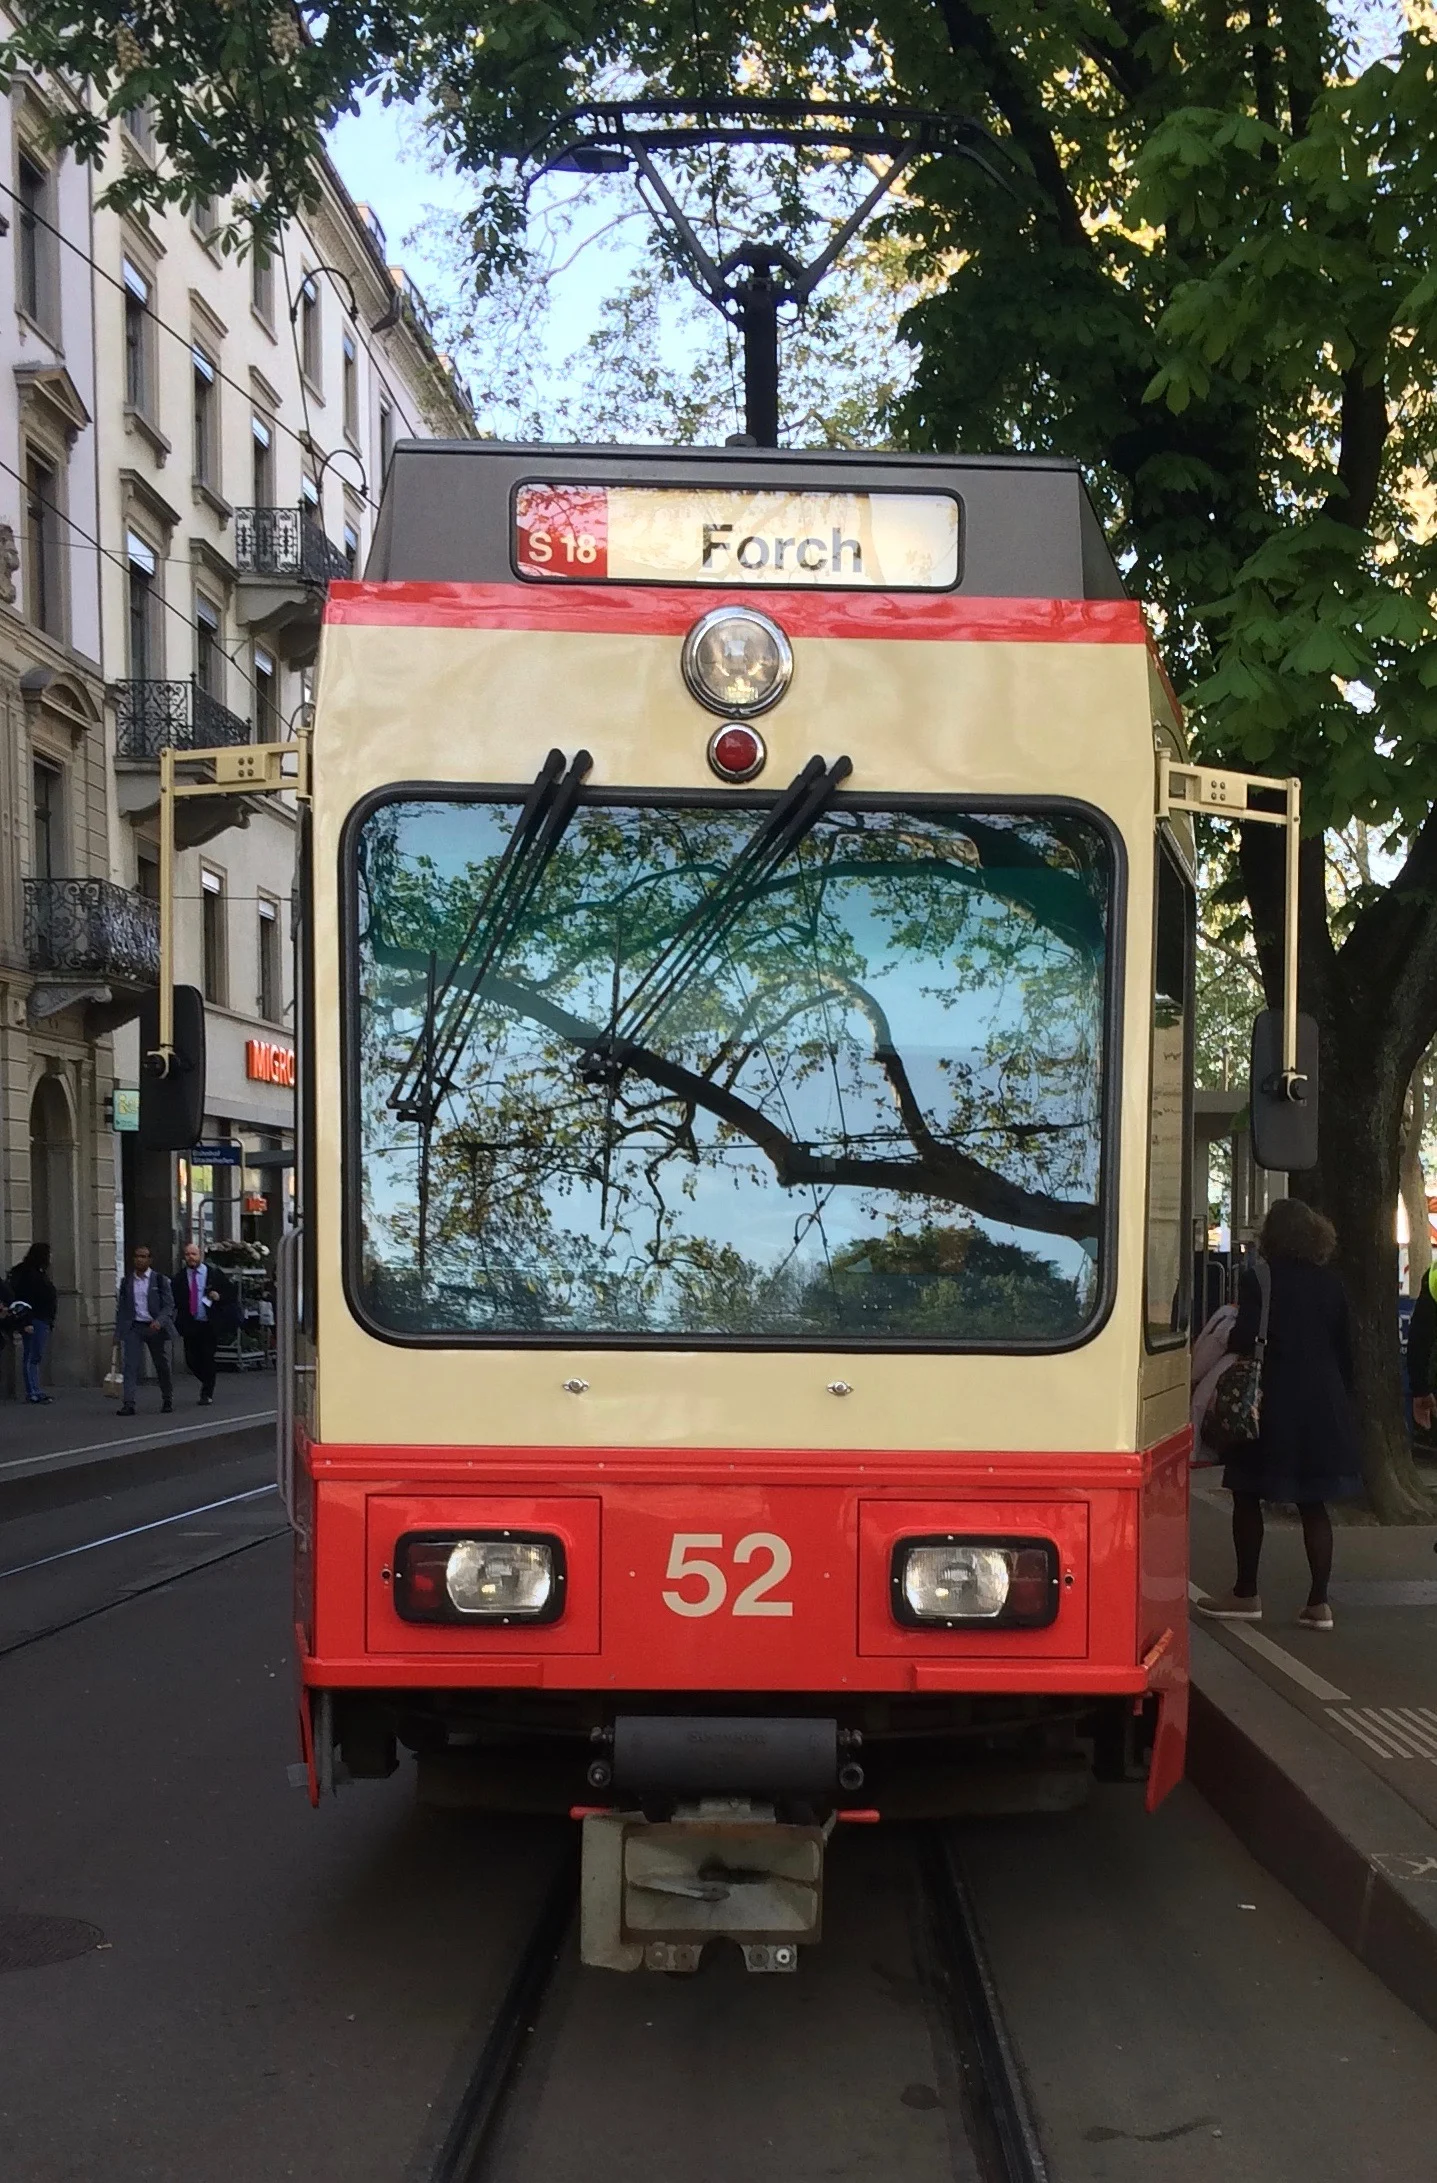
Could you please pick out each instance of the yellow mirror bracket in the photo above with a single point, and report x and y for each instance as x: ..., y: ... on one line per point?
x: 246, y: 769
x: 1216, y: 793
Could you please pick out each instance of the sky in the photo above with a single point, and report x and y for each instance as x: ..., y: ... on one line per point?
x: 384, y: 163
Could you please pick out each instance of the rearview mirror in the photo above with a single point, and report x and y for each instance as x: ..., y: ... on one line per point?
x: 1284, y: 1131
x: 172, y: 1107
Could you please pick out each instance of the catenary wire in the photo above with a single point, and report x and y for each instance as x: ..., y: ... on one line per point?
x: 301, y: 439
x: 120, y: 560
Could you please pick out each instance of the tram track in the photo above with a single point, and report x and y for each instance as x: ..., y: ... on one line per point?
x: 47, y: 1566
x: 993, y: 2139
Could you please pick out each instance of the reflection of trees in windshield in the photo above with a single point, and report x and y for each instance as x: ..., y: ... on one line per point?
x: 868, y: 1105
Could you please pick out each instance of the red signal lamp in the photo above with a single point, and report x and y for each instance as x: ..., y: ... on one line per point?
x: 737, y: 752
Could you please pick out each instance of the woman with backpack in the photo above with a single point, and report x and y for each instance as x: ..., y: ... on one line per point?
x: 1305, y: 1449
x: 30, y: 1284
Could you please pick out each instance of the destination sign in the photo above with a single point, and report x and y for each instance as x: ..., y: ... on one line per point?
x: 635, y: 534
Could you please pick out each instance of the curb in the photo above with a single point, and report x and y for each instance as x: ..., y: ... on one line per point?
x: 70, y: 1475
x: 1353, y: 1852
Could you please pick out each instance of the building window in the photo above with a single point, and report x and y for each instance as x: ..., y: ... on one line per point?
x: 48, y: 844
x: 206, y: 217
x: 271, y: 1003
x: 266, y: 698
x: 309, y: 500
x: 209, y: 653
x: 206, y: 404
x: 147, y: 876
x: 351, y: 549
x: 34, y: 243
x: 262, y: 443
x: 386, y: 436
x: 212, y: 907
x: 44, y: 587
x: 311, y: 354
x: 351, y: 387
x: 139, y: 342
x: 141, y: 125
x: 261, y: 285
x: 143, y: 604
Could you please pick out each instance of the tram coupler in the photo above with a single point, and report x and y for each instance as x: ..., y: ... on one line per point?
x: 655, y: 1892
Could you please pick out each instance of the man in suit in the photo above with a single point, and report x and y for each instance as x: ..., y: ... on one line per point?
x: 205, y: 1311
x: 144, y: 1319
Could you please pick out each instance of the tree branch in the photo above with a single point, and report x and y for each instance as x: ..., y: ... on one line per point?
x: 1365, y: 425
x: 941, y: 1172
x: 971, y: 33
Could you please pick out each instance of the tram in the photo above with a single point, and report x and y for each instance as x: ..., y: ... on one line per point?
x: 734, y: 1367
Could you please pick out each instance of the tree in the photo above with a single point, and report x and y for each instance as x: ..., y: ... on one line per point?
x: 1217, y: 287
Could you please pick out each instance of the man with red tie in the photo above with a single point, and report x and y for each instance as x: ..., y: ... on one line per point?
x: 205, y: 1311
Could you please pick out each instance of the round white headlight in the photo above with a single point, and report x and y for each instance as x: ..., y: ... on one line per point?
x: 737, y: 661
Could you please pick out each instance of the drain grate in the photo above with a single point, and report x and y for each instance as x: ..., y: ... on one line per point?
x: 28, y: 1939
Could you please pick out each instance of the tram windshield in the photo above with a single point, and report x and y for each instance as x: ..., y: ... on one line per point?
x: 853, y: 1095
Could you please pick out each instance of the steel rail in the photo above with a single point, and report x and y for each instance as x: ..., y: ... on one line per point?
x: 485, y: 2098
x: 976, y: 2021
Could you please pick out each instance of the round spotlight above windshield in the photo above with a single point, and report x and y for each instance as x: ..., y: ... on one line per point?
x: 737, y: 661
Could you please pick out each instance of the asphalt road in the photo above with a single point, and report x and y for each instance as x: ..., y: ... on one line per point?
x: 284, y: 1993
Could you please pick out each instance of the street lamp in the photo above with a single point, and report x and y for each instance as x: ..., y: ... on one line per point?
x: 753, y: 283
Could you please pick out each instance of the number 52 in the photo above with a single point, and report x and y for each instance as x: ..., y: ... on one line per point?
x: 683, y: 1562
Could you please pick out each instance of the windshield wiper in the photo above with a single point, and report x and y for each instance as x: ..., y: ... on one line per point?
x: 795, y: 814
x: 424, y: 1081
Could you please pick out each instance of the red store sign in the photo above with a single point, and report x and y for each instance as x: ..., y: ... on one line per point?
x: 266, y: 1063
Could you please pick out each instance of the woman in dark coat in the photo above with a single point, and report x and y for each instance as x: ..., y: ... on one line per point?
x: 1306, y: 1450
x: 30, y: 1283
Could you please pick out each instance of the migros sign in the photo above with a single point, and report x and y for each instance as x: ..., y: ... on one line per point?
x: 267, y: 1063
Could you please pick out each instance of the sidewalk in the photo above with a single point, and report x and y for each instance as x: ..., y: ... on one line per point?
x: 1321, y: 1750
x: 80, y: 1428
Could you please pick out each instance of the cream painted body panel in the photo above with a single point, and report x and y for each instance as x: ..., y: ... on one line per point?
x: 971, y: 718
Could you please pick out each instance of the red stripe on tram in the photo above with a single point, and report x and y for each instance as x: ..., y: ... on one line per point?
x: 644, y: 610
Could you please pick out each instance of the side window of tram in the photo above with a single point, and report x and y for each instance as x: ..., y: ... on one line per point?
x: 1169, y: 1270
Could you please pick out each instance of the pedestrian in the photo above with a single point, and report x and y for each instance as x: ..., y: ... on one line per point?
x: 30, y: 1284
x: 144, y: 1319
x: 1421, y: 1341
x: 206, y: 1309
x: 1306, y: 1447
x: 12, y: 1322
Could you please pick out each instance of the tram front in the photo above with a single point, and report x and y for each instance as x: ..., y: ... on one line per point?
x: 740, y: 1380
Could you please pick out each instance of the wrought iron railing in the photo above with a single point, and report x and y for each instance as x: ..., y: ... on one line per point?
x: 155, y: 716
x: 285, y: 542
x: 92, y: 928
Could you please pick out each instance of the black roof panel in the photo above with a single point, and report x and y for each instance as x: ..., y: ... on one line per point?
x: 1029, y: 529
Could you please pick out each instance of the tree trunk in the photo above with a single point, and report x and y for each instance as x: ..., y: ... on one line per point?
x: 1356, y: 1185
x: 1370, y: 1043
x: 1414, y: 1184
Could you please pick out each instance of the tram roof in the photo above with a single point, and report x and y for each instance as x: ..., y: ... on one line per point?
x: 1029, y: 529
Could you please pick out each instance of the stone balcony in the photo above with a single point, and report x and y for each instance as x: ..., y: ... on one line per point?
x: 90, y: 945
x: 179, y: 716
x: 285, y: 563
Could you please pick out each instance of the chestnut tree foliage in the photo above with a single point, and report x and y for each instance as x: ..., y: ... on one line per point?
x: 1214, y: 283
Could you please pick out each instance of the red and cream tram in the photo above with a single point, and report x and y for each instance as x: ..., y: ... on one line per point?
x: 738, y: 1368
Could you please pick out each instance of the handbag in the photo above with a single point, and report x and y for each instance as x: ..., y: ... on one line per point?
x: 114, y: 1381
x: 1234, y: 1415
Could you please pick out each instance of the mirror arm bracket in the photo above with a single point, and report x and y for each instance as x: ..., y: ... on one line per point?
x: 1216, y: 792
x: 244, y: 769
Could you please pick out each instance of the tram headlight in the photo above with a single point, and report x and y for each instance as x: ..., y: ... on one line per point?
x: 951, y: 1582
x: 736, y: 661
x: 493, y: 1576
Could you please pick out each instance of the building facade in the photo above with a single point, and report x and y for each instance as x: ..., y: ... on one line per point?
x: 76, y: 950
x: 193, y: 447
x: 249, y: 408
